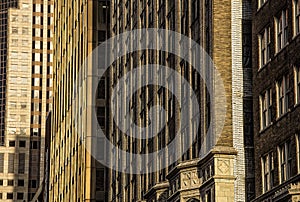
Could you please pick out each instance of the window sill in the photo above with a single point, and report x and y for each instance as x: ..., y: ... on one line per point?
x: 295, y: 36
x: 265, y: 128
x: 297, y: 105
x: 283, y: 115
x: 262, y: 67
x: 261, y: 6
x: 281, y: 50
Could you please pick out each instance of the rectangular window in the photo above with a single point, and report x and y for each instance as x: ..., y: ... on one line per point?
x: 298, y: 152
x: 264, y: 46
x: 21, y: 166
x: 25, y: 30
x: 12, y: 143
x: 297, y: 84
x: 14, y: 42
x: 296, y: 12
x: 195, y: 10
x: 100, y: 179
x: 282, y: 96
x: 285, y: 161
x: 20, y: 196
x: 1, y: 162
x: 171, y: 97
x: 9, y: 196
x: 265, y: 108
x: 268, y: 171
x: 10, y: 182
x: 11, y: 162
x: 14, y: 30
x: 22, y: 143
x: 14, y: 18
x: 281, y: 28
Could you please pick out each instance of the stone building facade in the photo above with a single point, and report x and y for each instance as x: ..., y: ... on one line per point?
x: 223, y: 29
x: 276, y: 99
x: 26, y: 86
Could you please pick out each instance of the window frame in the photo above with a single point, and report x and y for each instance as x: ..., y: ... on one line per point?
x: 284, y: 161
x: 297, y: 84
x: 296, y: 17
x: 267, y: 163
x: 264, y: 39
x: 281, y: 30
x: 265, y: 101
x: 282, y: 96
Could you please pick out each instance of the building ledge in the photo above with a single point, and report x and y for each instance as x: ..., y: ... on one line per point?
x: 279, y: 191
x: 155, y: 188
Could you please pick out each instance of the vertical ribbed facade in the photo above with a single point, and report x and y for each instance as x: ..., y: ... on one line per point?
x: 79, y: 27
x: 221, y: 174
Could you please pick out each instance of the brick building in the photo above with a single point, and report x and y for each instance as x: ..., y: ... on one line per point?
x: 276, y: 93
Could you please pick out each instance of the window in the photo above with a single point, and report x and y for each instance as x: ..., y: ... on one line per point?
x: 20, y: 196
x: 25, y: 30
x: 282, y: 96
x: 1, y: 182
x: 34, y: 145
x: 285, y: 161
x: 23, y: 92
x: 268, y: 172
x: 12, y: 144
x: 264, y: 46
x: 14, y: 42
x: 297, y: 84
x: 281, y: 27
x: 1, y: 162
x: 100, y: 179
x: 195, y: 10
x: 296, y: 17
x: 171, y: 97
x: 36, y: 81
x: 22, y: 143
x: 21, y: 166
x: 14, y: 18
x: 10, y: 196
x: 298, y: 151
x: 265, y: 108
x: 23, y: 105
x: 10, y: 182
x: 24, y: 42
x: 32, y: 183
x: 11, y: 161
x: 14, y: 30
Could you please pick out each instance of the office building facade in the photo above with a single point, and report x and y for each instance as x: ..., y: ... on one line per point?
x: 225, y: 173
x: 26, y: 86
x: 75, y: 175
x: 276, y: 99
